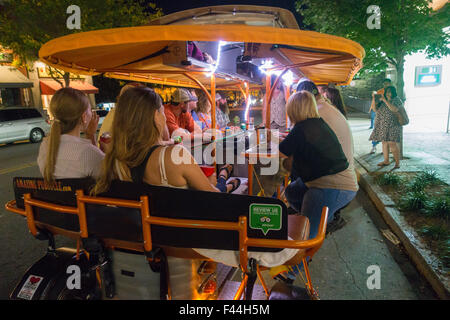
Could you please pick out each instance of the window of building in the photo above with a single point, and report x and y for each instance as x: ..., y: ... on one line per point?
x: 10, y: 96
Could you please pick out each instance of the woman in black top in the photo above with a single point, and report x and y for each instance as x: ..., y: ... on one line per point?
x: 313, y: 152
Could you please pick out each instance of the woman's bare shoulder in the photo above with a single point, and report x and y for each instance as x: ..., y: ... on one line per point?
x: 179, y: 154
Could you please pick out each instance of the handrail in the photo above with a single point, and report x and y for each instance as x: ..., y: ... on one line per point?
x: 50, y: 206
x: 182, y: 223
x: 147, y: 220
x: 12, y: 207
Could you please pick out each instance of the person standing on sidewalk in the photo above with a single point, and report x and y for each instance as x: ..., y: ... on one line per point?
x: 387, y: 128
x: 386, y: 83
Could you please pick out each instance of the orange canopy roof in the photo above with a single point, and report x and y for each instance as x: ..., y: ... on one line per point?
x: 131, y: 53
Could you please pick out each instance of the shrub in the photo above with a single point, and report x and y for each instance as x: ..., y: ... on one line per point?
x: 389, y: 179
x: 444, y: 252
x: 435, y: 232
x: 440, y: 234
x: 415, y: 200
x: 429, y: 176
x: 416, y: 185
x: 447, y: 192
x: 422, y: 180
x: 439, y: 206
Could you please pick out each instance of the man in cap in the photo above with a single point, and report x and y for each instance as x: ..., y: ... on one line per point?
x: 178, y: 116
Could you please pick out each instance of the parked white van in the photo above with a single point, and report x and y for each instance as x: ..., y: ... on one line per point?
x: 19, y: 123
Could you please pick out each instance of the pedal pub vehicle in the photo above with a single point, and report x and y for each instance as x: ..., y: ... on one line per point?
x: 133, y: 242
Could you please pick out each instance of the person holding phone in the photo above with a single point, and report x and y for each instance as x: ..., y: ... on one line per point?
x: 375, y: 100
x: 387, y: 129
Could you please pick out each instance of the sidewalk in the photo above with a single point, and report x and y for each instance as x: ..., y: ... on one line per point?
x: 423, y: 149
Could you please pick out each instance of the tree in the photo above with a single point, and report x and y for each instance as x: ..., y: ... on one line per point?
x: 25, y: 25
x: 406, y: 26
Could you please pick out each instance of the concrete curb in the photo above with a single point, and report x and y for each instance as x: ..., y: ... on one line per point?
x: 416, y: 249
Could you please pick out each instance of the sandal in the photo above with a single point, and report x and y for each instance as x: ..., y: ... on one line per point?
x: 235, y: 185
x: 226, y: 168
x: 383, y: 164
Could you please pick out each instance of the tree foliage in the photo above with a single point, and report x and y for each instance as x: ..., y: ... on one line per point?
x: 25, y: 25
x: 407, y: 26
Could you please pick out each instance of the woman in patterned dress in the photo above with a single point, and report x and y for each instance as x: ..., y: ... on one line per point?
x: 387, y: 128
x: 277, y: 107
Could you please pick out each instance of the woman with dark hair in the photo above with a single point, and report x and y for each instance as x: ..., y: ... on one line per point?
x: 387, y: 128
x: 335, y: 97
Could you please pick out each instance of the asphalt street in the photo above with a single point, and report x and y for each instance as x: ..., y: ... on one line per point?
x: 339, y: 270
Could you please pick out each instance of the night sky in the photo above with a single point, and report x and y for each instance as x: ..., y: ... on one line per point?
x: 170, y: 6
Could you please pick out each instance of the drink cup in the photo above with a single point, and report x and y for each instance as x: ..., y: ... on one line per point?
x: 105, y: 137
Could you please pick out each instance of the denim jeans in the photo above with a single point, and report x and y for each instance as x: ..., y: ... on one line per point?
x: 310, y: 201
x: 372, y: 118
x: 221, y: 184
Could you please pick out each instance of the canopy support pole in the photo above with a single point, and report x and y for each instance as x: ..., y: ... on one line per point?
x: 287, y: 94
x: 213, y: 100
x: 246, y: 94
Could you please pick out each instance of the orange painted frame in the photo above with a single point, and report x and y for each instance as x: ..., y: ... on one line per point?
x: 312, y: 245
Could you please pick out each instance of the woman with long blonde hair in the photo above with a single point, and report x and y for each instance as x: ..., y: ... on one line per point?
x: 64, y: 154
x: 137, y: 153
x: 315, y: 159
x: 203, y: 112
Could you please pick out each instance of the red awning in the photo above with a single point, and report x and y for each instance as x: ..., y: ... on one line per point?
x: 51, y: 86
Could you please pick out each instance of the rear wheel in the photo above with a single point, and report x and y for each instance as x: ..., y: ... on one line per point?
x: 36, y: 135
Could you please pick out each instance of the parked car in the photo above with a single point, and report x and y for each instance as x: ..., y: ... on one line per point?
x: 102, y: 114
x: 21, y: 123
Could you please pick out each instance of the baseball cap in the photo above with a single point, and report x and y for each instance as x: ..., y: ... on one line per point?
x: 181, y: 95
x: 191, y: 96
x: 218, y: 96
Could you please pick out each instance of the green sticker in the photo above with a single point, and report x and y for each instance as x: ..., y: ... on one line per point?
x: 265, y: 217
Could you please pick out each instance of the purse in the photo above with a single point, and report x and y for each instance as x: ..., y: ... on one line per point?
x: 402, y: 116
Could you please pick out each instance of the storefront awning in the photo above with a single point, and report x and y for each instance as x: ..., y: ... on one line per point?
x: 49, y: 87
x: 10, y: 77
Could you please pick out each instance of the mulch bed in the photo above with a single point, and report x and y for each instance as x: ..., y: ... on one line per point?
x: 437, y: 243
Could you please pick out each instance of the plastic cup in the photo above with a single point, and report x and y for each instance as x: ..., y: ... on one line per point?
x: 105, y: 137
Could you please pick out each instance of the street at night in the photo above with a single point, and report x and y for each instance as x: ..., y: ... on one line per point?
x: 225, y: 150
